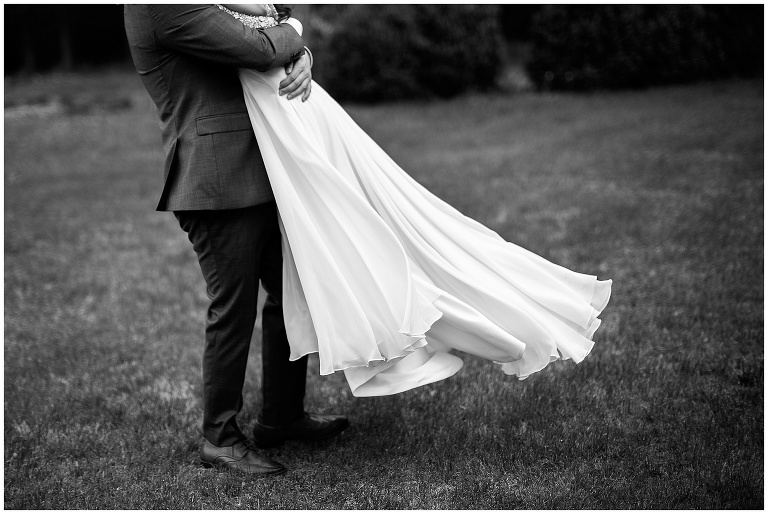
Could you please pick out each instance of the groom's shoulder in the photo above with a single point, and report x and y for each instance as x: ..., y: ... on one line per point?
x: 171, y: 19
x: 164, y: 12
x: 158, y: 11
x: 152, y: 20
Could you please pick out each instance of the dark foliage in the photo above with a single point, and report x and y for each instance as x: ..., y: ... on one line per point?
x: 45, y: 37
x: 515, y: 20
x: 390, y: 52
x: 581, y: 47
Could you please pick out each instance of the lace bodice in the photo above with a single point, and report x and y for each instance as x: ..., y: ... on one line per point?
x: 256, y: 22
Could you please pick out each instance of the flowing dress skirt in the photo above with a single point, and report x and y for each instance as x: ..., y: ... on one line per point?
x: 382, y: 279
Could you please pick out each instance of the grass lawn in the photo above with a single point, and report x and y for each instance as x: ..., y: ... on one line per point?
x: 660, y: 190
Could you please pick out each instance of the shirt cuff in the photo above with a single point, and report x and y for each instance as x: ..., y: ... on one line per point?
x: 296, y: 24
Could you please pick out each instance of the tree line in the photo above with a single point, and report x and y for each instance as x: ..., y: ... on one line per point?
x: 406, y: 51
x: 40, y: 38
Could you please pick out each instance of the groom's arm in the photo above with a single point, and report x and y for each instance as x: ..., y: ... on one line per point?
x: 207, y: 32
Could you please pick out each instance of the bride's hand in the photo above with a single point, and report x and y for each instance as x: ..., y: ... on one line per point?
x: 299, y: 79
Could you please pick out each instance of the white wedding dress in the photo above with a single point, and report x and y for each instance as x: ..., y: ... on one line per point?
x: 382, y: 279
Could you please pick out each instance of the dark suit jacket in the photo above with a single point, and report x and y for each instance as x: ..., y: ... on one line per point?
x: 187, y: 57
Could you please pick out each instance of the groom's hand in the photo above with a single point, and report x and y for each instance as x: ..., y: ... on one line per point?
x: 299, y: 79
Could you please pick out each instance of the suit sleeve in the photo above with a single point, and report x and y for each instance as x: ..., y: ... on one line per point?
x: 207, y: 32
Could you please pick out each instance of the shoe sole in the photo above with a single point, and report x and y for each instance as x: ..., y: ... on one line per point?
x: 271, y: 443
x: 208, y: 465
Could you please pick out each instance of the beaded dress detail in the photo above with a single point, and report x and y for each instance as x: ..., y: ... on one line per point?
x: 255, y: 22
x: 382, y: 278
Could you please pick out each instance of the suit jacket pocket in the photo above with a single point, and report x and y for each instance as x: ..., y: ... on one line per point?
x: 222, y: 123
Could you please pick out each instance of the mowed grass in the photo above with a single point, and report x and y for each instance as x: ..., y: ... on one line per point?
x: 660, y: 190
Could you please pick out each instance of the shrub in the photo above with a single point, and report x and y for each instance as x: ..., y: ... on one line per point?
x: 617, y: 46
x: 391, y: 52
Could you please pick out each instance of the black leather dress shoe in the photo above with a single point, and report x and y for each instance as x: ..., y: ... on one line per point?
x: 239, y: 457
x: 312, y: 427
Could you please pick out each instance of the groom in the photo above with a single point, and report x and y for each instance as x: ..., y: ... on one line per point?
x: 217, y: 187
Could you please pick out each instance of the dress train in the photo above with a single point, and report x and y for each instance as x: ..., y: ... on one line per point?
x: 382, y: 279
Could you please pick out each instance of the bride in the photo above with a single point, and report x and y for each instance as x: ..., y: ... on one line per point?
x: 380, y: 277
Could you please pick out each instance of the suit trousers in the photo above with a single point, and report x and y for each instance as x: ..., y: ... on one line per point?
x: 236, y: 248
